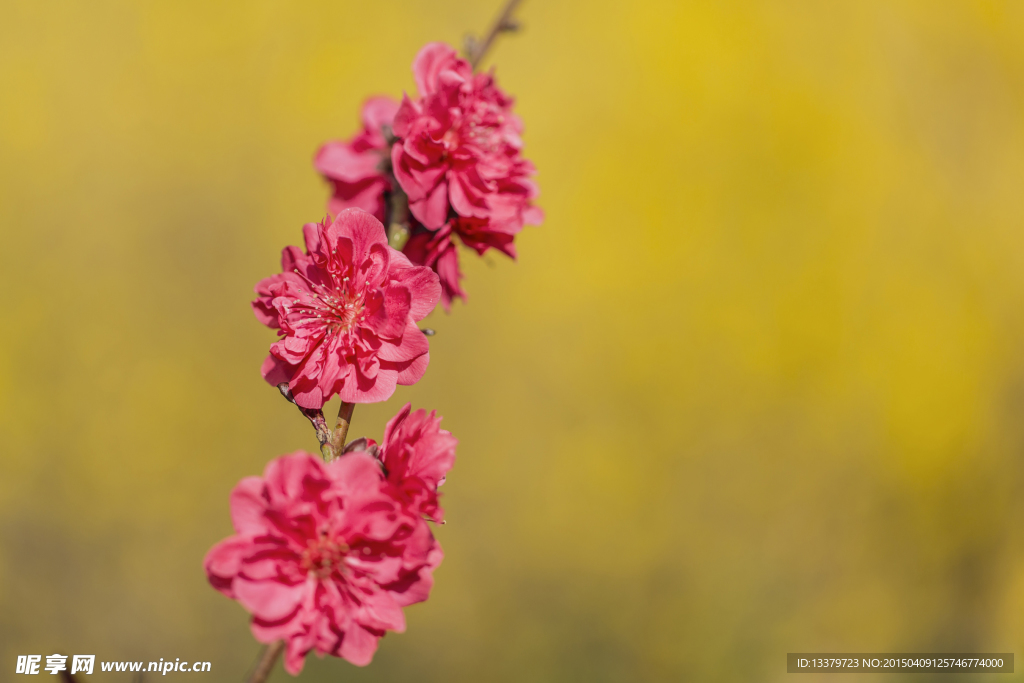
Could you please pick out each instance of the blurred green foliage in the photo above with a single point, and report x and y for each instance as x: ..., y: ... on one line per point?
x: 756, y: 386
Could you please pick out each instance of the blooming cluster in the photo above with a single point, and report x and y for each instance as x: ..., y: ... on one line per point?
x: 455, y: 151
x: 416, y: 456
x: 354, y: 168
x: 326, y: 554
x: 346, y: 310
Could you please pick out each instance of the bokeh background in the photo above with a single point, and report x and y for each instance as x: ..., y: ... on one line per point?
x: 756, y: 385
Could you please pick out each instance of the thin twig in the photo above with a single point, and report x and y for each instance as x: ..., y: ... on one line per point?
x: 341, y: 429
x: 316, y: 418
x: 503, y: 24
x: 266, y: 662
x: 332, y: 443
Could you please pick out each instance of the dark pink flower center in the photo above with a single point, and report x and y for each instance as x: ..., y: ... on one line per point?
x: 323, y: 556
x: 338, y: 308
x: 478, y: 127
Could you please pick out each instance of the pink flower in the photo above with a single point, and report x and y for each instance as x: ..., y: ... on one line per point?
x: 346, y: 311
x: 417, y: 455
x: 354, y: 167
x: 323, y: 557
x: 436, y: 249
x: 460, y: 146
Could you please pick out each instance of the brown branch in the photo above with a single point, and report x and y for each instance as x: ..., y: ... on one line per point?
x: 505, y: 23
x: 315, y: 417
x: 266, y: 662
x: 332, y: 443
x: 396, y: 220
x: 398, y: 226
x: 341, y: 429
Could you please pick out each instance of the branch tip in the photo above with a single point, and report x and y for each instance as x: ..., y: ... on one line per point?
x: 315, y: 417
x: 475, y: 50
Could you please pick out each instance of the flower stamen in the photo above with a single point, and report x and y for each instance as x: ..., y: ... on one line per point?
x: 323, y: 556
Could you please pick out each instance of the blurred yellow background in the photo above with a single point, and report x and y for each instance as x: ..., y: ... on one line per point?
x: 755, y: 386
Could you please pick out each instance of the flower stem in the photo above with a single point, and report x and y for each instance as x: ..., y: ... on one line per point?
x: 503, y: 24
x: 398, y: 226
x: 341, y: 429
x: 266, y: 662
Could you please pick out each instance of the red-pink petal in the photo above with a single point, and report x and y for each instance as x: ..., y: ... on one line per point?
x: 248, y: 505
x: 269, y: 600
x: 358, y: 646
x: 411, y: 345
x: 223, y: 561
x: 429, y: 61
x: 432, y: 209
x: 411, y: 371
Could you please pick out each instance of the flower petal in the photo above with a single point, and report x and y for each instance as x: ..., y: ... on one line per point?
x: 269, y: 600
